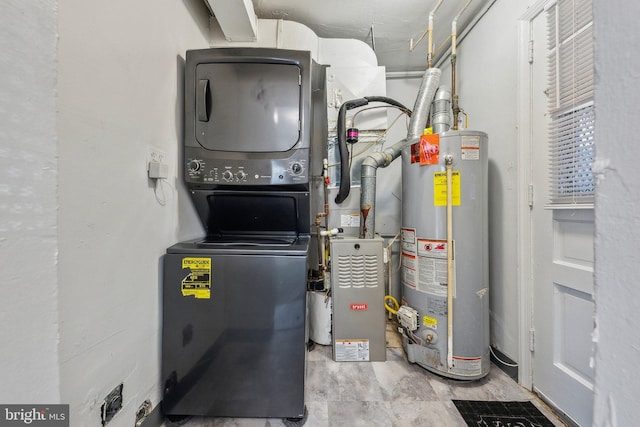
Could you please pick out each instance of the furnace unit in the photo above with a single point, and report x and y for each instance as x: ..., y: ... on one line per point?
x: 357, y: 286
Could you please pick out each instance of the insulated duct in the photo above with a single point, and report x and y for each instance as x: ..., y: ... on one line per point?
x: 384, y: 158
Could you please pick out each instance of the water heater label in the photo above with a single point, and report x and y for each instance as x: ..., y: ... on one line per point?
x: 408, y: 240
x: 430, y: 322
x: 470, y: 149
x: 409, y: 270
x: 440, y: 188
x: 432, y: 267
x: 471, y: 366
x: 198, y: 281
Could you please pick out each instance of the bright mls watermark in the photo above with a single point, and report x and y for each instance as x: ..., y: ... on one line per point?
x: 34, y: 415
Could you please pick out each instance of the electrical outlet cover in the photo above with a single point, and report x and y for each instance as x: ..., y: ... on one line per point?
x: 156, y: 155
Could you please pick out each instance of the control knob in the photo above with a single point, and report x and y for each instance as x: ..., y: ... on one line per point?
x: 195, y: 165
x: 241, y: 175
x: 227, y: 175
x: 296, y: 168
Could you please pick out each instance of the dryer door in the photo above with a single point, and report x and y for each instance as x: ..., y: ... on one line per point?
x: 248, y: 107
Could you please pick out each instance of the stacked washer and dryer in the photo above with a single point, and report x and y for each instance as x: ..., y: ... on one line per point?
x: 234, y: 302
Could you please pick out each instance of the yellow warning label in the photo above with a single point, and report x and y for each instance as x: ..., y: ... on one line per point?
x: 430, y: 322
x: 198, y: 281
x: 440, y: 188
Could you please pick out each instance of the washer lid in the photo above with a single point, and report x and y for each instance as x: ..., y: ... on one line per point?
x: 245, y: 245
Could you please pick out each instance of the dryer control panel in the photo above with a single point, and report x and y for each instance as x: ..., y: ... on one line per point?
x: 203, y: 169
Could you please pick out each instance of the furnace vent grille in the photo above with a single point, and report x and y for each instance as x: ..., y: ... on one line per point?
x: 358, y: 271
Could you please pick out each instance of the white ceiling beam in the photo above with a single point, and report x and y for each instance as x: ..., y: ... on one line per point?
x: 237, y: 19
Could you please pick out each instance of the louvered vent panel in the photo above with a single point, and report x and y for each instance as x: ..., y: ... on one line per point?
x: 371, y: 271
x: 344, y: 271
x: 358, y: 271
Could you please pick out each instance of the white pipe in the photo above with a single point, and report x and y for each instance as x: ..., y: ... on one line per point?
x: 449, y: 166
x: 332, y: 232
x: 430, y: 32
x: 454, y: 96
x: 454, y: 29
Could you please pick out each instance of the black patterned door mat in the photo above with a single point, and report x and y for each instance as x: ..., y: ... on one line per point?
x: 477, y: 413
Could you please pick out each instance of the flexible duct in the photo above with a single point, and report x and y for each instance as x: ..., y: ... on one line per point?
x: 427, y: 91
x: 345, y: 173
x: 384, y: 158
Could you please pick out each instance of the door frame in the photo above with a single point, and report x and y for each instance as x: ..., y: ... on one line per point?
x: 524, y: 180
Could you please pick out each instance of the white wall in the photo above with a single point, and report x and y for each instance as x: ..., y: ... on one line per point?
x: 617, y: 214
x: 119, y: 92
x: 28, y: 232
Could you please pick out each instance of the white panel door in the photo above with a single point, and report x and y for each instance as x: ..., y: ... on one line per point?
x: 562, y: 270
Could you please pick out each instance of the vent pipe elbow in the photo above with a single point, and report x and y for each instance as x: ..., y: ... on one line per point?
x: 418, y: 121
x: 368, y: 178
x: 427, y: 91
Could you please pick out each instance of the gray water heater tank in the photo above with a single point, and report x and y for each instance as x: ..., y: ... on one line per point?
x: 462, y: 353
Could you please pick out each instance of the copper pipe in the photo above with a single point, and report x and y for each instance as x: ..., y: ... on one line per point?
x: 323, y: 214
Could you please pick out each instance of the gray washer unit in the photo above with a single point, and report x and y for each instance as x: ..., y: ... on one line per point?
x: 238, y: 349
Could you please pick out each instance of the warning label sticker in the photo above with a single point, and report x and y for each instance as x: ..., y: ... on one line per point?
x: 430, y: 322
x: 467, y: 365
x: 432, y: 267
x: 437, y: 306
x: 198, y: 281
x: 440, y: 188
x: 415, y: 153
x: 409, y: 269
x: 470, y: 149
x: 352, y: 220
x: 408, y: 240
x: 352, y: 350
x: 429, y: 149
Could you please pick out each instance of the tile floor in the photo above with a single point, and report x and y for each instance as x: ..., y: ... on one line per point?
x: 392, y: 393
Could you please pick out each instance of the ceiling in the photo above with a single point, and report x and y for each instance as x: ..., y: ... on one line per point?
x: 386, y: 25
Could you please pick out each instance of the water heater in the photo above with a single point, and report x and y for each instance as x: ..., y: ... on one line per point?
x: 445, y: 276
